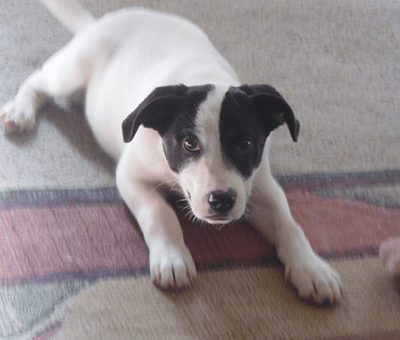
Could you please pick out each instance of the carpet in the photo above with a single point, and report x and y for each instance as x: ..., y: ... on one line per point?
x: 73, y: 263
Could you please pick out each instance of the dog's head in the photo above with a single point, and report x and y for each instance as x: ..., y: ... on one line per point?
x: 213, y: 138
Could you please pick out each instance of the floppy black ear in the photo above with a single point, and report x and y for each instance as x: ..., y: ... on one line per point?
x: 157, y: 111
x: 272, y: 108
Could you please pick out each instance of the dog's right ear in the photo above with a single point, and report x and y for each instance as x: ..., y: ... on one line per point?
x: 272, y: 108
x: 157, y: 111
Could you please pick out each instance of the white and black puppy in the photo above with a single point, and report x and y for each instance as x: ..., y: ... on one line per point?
x: 194, y: 128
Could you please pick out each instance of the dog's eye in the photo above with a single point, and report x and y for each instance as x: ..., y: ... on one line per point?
x: 191, y: 144
x: 245, y: 144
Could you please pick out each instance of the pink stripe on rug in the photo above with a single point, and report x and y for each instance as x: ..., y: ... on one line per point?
x: 51, y: 240
x: 38, y: 242
x: 337, y: 223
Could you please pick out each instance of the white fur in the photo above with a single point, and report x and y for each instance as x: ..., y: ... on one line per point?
x: 210, y: 173
x: 120, y: 59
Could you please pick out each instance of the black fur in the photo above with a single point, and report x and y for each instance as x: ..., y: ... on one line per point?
x: 170, y: 110
x: 248, y: 114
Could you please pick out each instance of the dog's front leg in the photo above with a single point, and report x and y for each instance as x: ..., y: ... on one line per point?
x: 171, y: 264
x: 311, y: 275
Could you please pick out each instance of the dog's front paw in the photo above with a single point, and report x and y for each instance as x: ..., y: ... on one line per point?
x: 17, y: 117
x: 314, y: 279
x: 172, y: 267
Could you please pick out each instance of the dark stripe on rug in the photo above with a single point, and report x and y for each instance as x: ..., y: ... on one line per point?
x: 92, y: 275
x: 329, y: 180
x: 73, y: 197
x: 58, y: 197
x: 350, y: 253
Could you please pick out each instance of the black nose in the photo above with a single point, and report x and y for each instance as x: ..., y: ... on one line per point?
x: 222, y: 201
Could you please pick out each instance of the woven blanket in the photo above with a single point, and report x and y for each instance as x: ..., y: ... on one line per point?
x: 73, y: 262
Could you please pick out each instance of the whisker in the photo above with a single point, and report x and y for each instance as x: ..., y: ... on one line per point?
x: 160, y: 185
x: 154, y: 163
x: 252, y: 204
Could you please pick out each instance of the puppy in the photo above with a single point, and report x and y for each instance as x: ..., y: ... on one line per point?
x: 194, y: 128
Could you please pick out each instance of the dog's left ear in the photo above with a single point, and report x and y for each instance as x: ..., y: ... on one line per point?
x: 162, y: 106
x: 272, y: 108
x: 156, y: 111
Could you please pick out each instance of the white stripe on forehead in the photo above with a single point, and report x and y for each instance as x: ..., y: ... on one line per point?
x: 207, y: 124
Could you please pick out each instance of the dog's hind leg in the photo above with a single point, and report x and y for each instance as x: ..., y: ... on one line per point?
x: 66, y: 72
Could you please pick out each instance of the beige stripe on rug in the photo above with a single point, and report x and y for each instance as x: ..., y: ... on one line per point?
x: 251, y: 303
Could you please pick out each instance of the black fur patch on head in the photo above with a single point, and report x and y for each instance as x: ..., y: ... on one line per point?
x: 248, y: 114
x: 170, y: 110
x: 180, y: 139
x: 182, y: 129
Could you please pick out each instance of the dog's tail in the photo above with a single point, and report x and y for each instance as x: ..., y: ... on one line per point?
x: 70, y: 14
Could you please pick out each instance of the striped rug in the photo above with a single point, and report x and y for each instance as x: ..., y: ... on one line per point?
x: 77, y: 260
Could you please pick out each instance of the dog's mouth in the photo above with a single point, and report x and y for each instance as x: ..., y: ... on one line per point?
x: 217, y: 219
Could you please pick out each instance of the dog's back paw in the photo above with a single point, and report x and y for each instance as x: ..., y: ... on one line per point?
x: 17, y: 116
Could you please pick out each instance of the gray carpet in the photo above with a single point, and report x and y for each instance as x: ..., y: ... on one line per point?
x: 337, y: 63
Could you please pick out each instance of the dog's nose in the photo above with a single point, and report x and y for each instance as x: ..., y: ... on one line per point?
x: 222, y: 201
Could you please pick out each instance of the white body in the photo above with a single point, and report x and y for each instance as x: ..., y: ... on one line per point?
x: 120, y: 59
